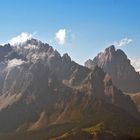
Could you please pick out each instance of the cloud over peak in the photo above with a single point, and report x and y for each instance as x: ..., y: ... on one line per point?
x: 23, y: 37
x: 61, y: 36
x: 123, y: 42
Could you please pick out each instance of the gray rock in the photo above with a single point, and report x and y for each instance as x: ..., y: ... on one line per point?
x: 118, y: 66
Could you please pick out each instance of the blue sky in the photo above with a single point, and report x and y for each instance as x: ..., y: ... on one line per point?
x: 90, y: 25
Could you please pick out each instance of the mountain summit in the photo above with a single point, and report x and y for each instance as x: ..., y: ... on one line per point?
x: 118, y: 66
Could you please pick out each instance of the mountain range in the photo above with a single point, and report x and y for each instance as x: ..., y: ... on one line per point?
x: 44, y: 95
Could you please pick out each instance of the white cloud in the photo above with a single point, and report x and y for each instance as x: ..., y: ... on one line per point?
x: 123, y: 42
x: 136, y: 63
x: 23, y: 37
x: 15, y: 62
x: 61, y: 36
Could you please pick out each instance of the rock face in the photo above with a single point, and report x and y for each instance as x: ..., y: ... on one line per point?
x: 116, y: 64
x: 136, y: 98
x: 40, y: 88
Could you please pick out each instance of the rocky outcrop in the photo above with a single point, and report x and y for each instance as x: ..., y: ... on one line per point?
x: 136, y: 98
x: 116, y: 64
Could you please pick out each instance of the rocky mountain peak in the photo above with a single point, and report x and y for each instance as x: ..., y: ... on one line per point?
x: 110, y: 49
x: 33, y: 41
x: 66, y: 58
x: 115, y: 63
